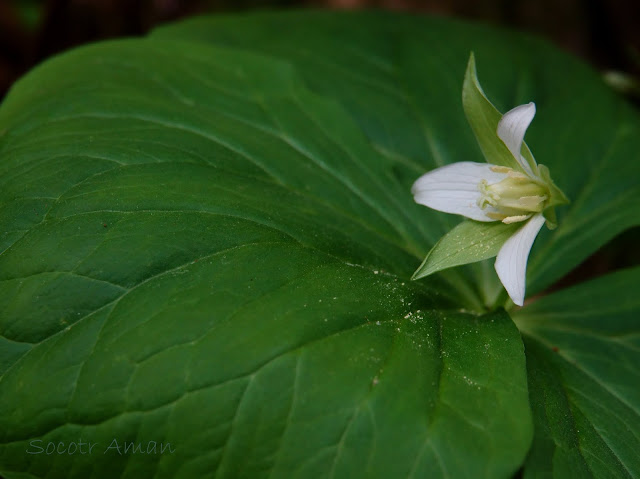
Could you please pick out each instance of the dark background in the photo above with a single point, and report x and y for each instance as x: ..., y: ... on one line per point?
x: 605, y: 33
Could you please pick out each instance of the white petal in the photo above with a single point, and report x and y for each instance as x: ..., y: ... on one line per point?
x: 511, y: 263
x: 511, y: 130
x: 454, y: 189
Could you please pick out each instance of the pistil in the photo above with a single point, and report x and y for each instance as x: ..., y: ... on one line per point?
x: 513, y: 199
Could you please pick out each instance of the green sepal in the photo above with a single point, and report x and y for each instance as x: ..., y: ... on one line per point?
x: 469, y: 242
x: 556, y: 195
x: 483, y: 118
x: 551, y: 218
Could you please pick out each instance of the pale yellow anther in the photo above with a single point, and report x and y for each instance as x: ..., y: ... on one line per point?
x: 514, y: 219
x: 517, y: 174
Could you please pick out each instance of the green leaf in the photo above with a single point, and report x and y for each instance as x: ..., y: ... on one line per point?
x: 583, y: 352
x: 203, y: 256
x: 484, y: 118
x: 469, y: 242
x: 200, y: 231
x: 252, y: 366
x: 406, y: 99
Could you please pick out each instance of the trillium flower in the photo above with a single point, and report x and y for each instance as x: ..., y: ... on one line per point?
x: 515, y: 191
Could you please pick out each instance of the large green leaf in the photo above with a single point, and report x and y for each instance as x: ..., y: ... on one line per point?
x: 211, y: 256
x: 583, y: 358
x: 211, y: 247
x: 317, y: 369
x: 400, y: 78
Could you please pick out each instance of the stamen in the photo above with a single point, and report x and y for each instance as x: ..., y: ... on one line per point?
x: 514, y: 219
x: 512, y: 199
x: 516, y: 175
x: 495, y: 216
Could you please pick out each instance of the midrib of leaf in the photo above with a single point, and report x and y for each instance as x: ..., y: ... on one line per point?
x: 428, y: 433
x: 575, y: 439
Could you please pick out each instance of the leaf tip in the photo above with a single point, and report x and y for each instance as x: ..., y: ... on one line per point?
x: 470, y: 76
x: 416, y: 275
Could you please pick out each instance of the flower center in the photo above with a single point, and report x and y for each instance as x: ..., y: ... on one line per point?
x: 512, y: 199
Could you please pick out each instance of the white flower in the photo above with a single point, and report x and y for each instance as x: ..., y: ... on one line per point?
x: 485, y: 192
